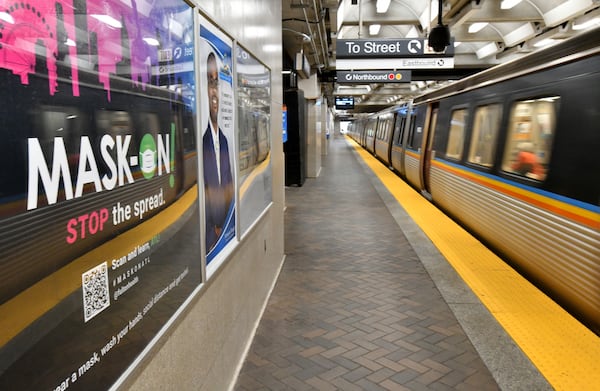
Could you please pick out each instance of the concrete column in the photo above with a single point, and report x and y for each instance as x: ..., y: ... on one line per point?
x: 325, y: 126
x: 313, y: 139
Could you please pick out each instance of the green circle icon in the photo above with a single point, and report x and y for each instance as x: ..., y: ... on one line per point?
x: 148, y: 156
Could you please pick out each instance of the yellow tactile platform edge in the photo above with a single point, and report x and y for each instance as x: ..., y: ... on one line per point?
x: 564, y: 351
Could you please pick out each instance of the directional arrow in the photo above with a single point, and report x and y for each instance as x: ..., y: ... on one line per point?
x: 414, y: 46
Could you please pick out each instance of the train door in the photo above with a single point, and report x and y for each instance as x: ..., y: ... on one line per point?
x: 397, y: 147
x: 427, y: 155
x: 407, y: 128
x: 390, y: 137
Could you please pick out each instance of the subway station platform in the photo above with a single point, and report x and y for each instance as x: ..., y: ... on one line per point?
x: 366, y: 301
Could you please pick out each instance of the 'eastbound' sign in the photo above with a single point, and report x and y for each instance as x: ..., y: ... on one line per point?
x: 365, y: 77
x: 387, y: 48
x: 396, y: 63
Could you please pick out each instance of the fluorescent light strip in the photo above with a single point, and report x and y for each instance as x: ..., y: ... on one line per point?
x: 109, y: 20
x: 487, y: 50
x: 151, y: 41
x: 587, y: 24
x: 545, y: 42
x: 508, y: 4
x: 382, y: 6
x: 476, y: 27
x: 5, y: 16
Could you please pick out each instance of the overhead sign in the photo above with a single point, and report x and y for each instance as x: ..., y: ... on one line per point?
x: 366, y: 77
x: 388, y: 48
x: 396, y: 63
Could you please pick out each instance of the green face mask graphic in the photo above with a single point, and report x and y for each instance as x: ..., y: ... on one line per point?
x: 148, y: 156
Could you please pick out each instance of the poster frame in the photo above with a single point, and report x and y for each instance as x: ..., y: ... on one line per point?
x: 216, y: 261
x: 244, y: 231
x: 196, y: 285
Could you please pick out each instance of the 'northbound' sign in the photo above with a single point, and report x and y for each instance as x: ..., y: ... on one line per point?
x: 367, y: 77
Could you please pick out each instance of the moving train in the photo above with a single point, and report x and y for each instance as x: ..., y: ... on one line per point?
x: 253, y: 138
x: 511, y: 153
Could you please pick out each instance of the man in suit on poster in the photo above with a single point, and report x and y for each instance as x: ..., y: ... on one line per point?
x: 218, y: 181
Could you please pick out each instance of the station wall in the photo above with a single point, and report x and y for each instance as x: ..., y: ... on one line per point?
x: 206, y: 345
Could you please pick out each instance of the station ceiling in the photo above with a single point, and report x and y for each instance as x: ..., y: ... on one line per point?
x: 509, y: 29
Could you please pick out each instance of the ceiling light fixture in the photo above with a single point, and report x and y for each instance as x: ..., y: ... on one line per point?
x: 487, y: 50
x: 374, y: 29
x: 109, y: 20
x: 550, y: 37
x: 567, y: 10
x: 586, y: 21
x: 508, y: 4
x: 546, y: 42
x: 151, y: 41
x: 476, y: 27
x: 5, y: 16
x: 586, y: 25
x: 518, y: 35
x: 382, y: 6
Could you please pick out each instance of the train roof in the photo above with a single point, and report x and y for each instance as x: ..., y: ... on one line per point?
x: 580, y: 46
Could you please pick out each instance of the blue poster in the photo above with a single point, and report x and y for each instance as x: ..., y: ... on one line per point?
x: 218, y: 140
x: 284, y: 125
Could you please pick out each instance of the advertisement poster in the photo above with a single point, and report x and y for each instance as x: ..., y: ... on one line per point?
x: 218, y: 139
x: 254, y: 137
x: 100, y: 238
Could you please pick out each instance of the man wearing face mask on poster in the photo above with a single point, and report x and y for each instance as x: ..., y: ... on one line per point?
x: 218, y: 182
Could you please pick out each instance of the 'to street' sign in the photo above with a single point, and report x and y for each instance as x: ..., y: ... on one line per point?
x: 388, y: 48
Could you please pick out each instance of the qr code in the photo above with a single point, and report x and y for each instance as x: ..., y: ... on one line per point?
x: 96, y: 296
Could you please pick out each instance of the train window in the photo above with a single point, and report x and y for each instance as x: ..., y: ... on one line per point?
x: 149, y: 122
x: 384, y: 133
x: 485, y: 131
x: 400, y: 122
x: 65, y: 122
x: 371, y: 125
x: 412, y: 130
x: 113, y: 122
x: 388, y: 128
x: 456, y: 137
x: 530, y: 136
x: 385, y: 130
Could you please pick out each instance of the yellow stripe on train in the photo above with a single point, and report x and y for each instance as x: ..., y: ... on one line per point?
x: 573, y: 212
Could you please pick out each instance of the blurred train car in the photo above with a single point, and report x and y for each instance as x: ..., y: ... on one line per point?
x: 512, y: 154
x: 253, y: 138
x: 385, y: 126
x: 369, y: 133
x: 355, y: 130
